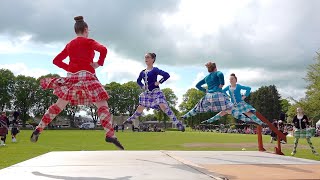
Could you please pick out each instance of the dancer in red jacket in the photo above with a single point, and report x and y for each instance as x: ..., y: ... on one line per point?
x: 81, y: 86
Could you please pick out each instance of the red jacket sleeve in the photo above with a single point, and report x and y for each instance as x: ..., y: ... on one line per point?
x: 58, y: 60
x: 101, y: 49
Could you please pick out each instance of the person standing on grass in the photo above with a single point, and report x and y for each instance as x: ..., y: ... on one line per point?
x: 4, y: 128
x: 301, y: 130
x: 273, y: 135
x: 15, y: 126
x: 81, y: 86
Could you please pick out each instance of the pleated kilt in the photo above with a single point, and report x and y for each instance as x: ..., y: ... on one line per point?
x: 152, y: 99
x: 302, y: 133
x: 213, y: 102
x: 240, y: 108
x: 81, y: 88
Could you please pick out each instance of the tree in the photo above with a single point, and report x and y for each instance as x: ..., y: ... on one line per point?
x: 312, y: 99
x: 266, y: 100
x: 190, y: 99
x: 44, y: 98
x: 25, y: 89
x: 310, y: 103
x: 285, y: 105
x: 115, y: 92
x: 170, y: 97
x: 93, y: 112
x: 70, y: 111
x: 130, y: 99
x: 7, y: 79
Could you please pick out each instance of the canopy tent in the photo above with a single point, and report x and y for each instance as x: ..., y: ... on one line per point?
x: 318, y: 124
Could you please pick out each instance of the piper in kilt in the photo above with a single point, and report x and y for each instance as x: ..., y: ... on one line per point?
x: 152, y: 97
x: 214, y: 100
x: 240, y: 110
x: 15, y: 126
x: 81, y: 86
x: 301, y: 130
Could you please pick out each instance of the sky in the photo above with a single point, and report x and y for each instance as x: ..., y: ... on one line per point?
x: 264, y: 42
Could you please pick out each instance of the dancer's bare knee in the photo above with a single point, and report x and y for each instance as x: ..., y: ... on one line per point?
x: 140, y: 108
x: 163, y: 106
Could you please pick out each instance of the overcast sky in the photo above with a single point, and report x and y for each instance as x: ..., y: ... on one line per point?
x: 262, y: 42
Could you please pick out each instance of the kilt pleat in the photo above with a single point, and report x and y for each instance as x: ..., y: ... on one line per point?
x: 81, y: 88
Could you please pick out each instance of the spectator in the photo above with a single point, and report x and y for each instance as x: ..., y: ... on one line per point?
x: 15, y: 128
x: 282, y: 129
x: 282, y: 116
x: 4, y: 127
x: 273, y: 134
x: 301, y: 123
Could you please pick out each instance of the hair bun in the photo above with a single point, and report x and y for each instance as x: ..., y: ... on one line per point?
x: 232, y: 74
x: 78, y: 18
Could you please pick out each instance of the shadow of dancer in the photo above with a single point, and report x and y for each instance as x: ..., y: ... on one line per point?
x: 78, y: 178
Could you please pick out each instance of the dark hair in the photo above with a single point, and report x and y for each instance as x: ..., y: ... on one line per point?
x: 153, y: 56
x: 211, y: 66
x: 16, y: 114
x: 232, y: 74
x: 80, y: 25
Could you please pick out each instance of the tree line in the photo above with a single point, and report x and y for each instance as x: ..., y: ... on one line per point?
x: 24, y: 94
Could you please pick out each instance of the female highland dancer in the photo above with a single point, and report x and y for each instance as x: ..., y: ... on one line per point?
x: 214, y: 100
x: 152, y: 97
x: 240, y: 107
x: 301, y: 123
x: 81, y: 86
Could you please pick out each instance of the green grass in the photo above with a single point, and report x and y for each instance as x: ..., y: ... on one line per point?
x: 82, y: 140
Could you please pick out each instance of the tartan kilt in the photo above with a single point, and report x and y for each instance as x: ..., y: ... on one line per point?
x: 302, y: 133
x: 81, y: 88
x: 213, y: 102
x: 152, y: 99
x: 240, y: 108
x: 3, y: 131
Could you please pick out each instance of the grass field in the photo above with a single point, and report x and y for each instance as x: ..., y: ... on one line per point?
x: 86, y: 140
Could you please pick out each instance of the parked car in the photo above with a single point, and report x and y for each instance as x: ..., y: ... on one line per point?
x: 29, y: 126
x: 87, y: 126
x: 65, y: 126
